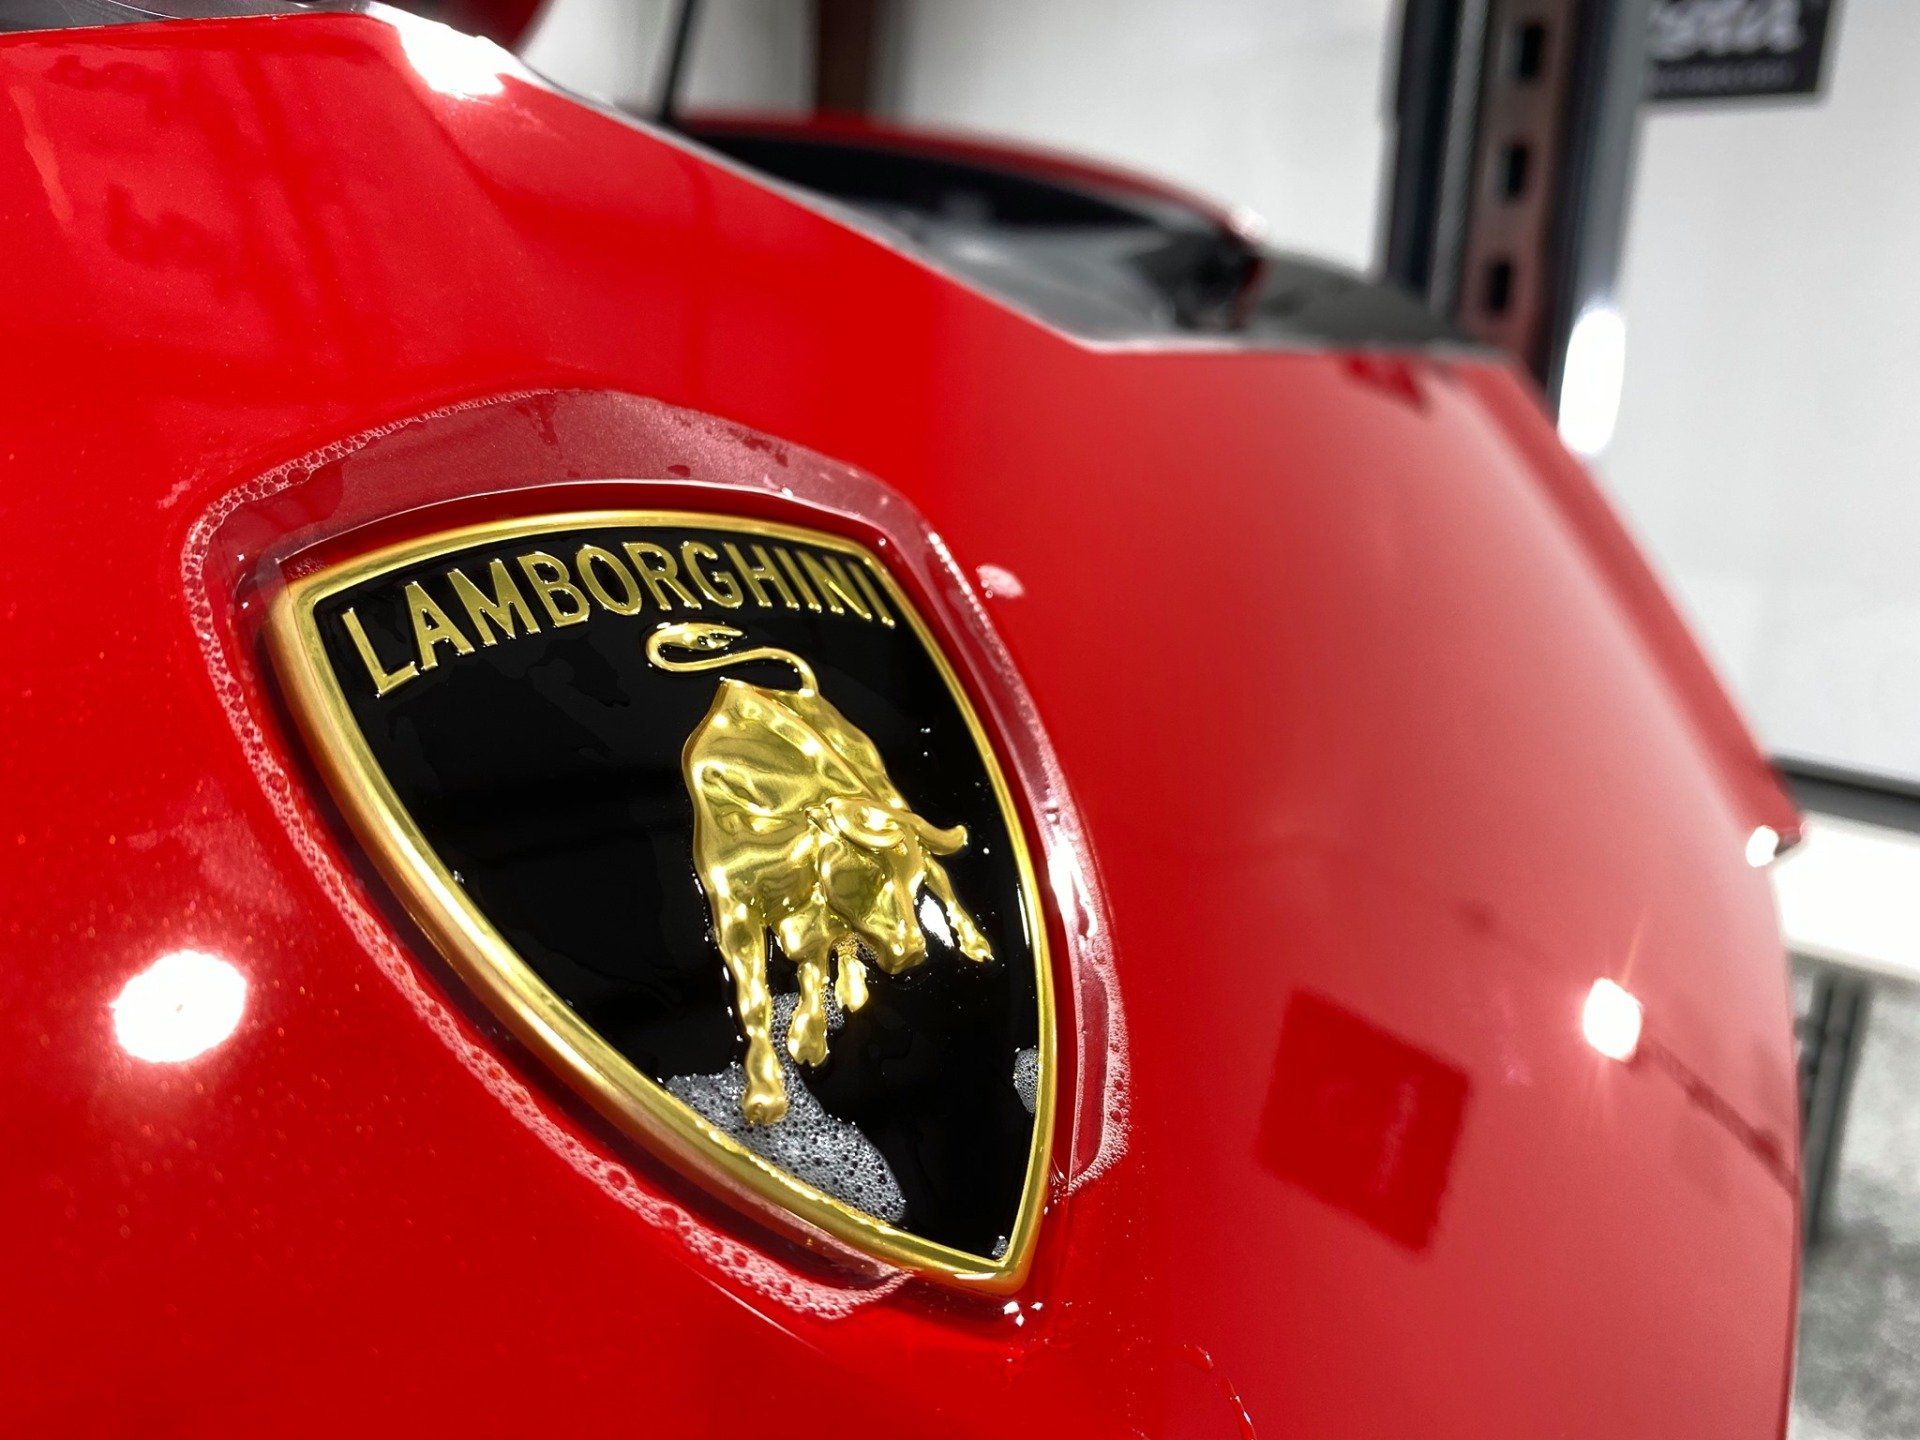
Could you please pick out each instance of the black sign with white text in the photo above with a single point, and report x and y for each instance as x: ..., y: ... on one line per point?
x: 1724, y: 49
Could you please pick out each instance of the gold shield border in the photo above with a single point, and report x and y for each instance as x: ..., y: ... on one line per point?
x: 536, y: 1015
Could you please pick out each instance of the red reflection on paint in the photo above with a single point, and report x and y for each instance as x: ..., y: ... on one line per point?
x: 1391, y: 375
x: 1363, y: 1120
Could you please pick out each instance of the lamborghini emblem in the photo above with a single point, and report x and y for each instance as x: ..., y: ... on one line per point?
x: 708, y: 905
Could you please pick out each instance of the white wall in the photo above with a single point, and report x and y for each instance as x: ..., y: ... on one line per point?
x: 1768, y: 447
x: 1276, y: 106
x: 750, y: 54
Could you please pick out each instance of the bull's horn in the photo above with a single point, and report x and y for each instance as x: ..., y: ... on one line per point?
x: 941, y: 842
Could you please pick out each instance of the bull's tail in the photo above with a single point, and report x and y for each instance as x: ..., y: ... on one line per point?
x: 708, y: 640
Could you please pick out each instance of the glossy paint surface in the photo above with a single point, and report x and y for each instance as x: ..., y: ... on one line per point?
x: 1384, y: 743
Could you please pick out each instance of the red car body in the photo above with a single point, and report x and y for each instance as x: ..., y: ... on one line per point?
x: 1382, y: 746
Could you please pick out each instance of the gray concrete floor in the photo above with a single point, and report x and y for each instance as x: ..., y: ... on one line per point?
x: 1859, y: 1375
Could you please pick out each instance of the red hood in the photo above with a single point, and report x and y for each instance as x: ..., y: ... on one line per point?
x: 1385, y: 746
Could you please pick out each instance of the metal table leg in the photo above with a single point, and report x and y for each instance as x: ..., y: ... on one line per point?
x: 1832, y: 1034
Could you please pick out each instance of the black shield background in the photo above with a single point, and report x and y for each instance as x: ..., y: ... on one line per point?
x: 545, y: 773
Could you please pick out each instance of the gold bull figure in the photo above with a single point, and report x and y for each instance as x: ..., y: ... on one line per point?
x: 798, y: 830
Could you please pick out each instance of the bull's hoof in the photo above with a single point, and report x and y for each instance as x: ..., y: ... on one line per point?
x: 850, y: 984
x: 764, y: 1105
x: 973, y: 944
x: 807, y: 1039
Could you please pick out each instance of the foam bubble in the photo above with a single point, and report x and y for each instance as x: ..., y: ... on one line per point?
x: 828, y: 1153
x: 1026, y: 1076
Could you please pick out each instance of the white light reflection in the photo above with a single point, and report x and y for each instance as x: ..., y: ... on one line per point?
x: 464, y: 66
x: 935, y: 919
x: 182, y: 1005
x: 1000, y: 583
x: 1591, y: 378
x: 1611, y: 1021
x: 1763, y: 846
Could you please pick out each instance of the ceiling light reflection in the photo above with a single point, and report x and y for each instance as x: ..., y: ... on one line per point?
x: 935, y: 920
x: 1611, y: 1020
x: 1590, y: 379
x: 182, y: 1005
x: 465, y: 66
x: 1763, y: 846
